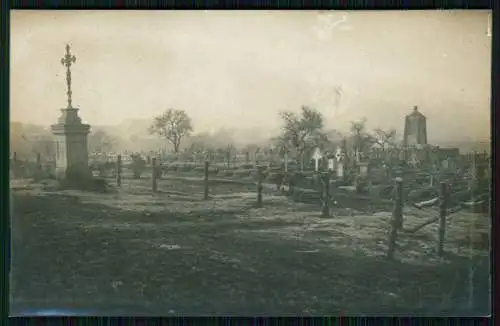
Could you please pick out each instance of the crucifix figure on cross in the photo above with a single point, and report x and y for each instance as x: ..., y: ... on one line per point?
x: 67, y: 61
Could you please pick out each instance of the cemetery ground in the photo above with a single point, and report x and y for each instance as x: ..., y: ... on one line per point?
x: 131, y: 252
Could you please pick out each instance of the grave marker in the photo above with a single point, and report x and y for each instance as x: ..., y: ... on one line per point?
x: 340, y: 170
x: 331, y: 164
x: 363, y: 170
x: 71, y: 135
x: 433, y: 175
x: 255, y: 156
x: 316, y: 157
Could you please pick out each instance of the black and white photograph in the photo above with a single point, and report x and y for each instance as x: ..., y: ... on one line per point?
x: 250, y: 163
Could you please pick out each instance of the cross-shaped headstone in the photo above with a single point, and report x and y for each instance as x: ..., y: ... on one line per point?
x: 434, y: 174
x: 316, y: 157
x: 339, y: 154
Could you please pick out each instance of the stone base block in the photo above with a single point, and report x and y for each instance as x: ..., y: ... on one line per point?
x: 78, y: 175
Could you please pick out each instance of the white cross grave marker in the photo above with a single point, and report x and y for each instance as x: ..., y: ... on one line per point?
x: 316, y: 157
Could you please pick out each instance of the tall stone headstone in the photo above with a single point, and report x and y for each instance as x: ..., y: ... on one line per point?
x: 331, y: 164
x: 71, y: 135
x: 363, y: 169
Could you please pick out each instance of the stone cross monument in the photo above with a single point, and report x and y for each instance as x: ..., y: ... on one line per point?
x: 70, y: 135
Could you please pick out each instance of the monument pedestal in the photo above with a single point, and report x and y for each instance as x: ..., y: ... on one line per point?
x: 71, y: 146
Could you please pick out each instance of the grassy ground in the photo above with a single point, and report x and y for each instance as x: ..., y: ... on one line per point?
x: 131, y: 252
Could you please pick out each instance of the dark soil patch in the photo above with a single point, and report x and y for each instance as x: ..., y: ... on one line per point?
x: 59, y: 263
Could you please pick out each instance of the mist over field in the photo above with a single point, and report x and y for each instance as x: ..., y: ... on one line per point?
x: 131, y: 66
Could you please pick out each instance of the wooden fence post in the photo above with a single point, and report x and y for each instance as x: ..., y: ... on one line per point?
x: 285, y: 159
x: 398, y: 204
x: 443, y: 208
x: 325, y: 208
x: 291, y: 182
x: 38, y: 162
x: 154, y: 174
x: 159, y: 170
x: 15, y: 166
x: 259, y: 187
x: 205, y: 195
x: 397, y: 217
x: 119, y: 170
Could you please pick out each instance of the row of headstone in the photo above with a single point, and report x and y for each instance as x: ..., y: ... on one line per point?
x: 334, y: 163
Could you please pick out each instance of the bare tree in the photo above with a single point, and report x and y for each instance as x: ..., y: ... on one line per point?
x: 174, y: 125
x: 384, y: 138
x: 298, y: 129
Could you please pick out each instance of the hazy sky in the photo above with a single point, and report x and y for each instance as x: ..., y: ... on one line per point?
x: 240, y: 68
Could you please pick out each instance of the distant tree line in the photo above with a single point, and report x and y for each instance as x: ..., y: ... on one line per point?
x: 300, y: 134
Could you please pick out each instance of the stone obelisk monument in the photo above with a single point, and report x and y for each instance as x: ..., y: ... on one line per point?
x: 415, y: 131
x: 71, y: 136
